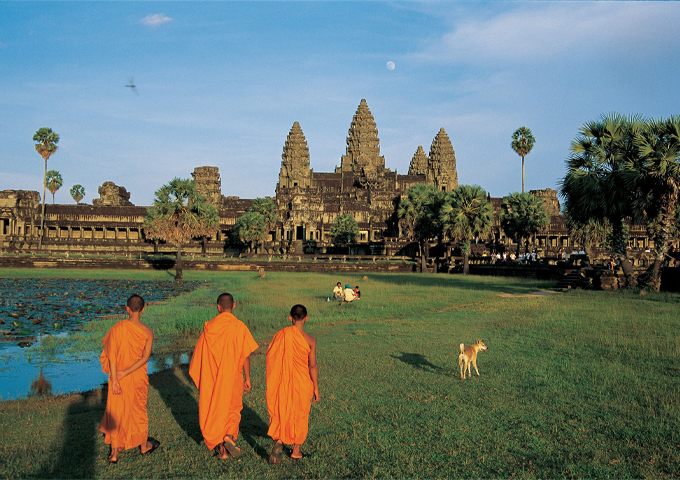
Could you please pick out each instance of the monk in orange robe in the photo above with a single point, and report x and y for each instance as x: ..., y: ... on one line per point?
x: 219, y: 363
x: 127, y: 347
x: 292, y: 383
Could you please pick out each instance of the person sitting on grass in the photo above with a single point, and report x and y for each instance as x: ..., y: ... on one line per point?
x: 347, y: 295
x: 357, y: 293
x: 127, y: 347
x: 292, y: 384
x: 337, y: 291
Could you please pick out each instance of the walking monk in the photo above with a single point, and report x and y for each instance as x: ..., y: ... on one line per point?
x: 220, y: 360
x: 127, y: 347
x: 292, y: 382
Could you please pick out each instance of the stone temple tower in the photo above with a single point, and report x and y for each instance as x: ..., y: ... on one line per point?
x: 419, y: 162
x: 362, y: 160
x: 295, y: 171
x: 442, y: 163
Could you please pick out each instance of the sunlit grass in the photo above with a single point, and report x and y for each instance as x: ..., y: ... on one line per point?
x: 578, y: 384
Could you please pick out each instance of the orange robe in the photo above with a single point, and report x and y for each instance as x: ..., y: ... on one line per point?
x: 289, y: 386
x: 217, y: 370
x: 125, y: 422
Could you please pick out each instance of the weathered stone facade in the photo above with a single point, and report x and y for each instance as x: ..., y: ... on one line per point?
x: 307, y: 204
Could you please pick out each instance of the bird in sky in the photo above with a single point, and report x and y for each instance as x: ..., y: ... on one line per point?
x: 131, y: 84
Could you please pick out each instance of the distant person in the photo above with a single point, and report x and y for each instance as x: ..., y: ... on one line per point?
x: 348, y: 294
x: 357, y: 293
x: 127, y: 347
x: 292, y: 384
x: 220, y: 361
x: 337, y: 291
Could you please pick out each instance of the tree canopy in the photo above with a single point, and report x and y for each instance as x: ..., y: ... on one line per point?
x: 344, y: 230
x: 466, y: 213
x: 522, y: 143
x: 523, y: 215
x: 54, y: 182
x: 77, y: 192
x: 251, y: 229
x: 178, y: 214
x: 46, y: 145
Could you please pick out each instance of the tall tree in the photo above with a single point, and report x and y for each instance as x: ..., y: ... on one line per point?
x: 465, y: 214
x: 46, y: 145
x: 54, y: 182
x: 602, y: 175
x: 659, y: 149
x: 522, y: 216
x: 77, y: 192
x: 267, y: 208
x: 522, y: 143
x: 179, y: 214
x: 419, y: 216
x: 344, y: 230
x: 250, y: 228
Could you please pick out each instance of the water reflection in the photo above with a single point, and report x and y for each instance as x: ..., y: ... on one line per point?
x: 20, y: 377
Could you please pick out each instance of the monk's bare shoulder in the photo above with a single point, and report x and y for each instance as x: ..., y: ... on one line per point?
x: 145, y: 328
x: 311, y: 341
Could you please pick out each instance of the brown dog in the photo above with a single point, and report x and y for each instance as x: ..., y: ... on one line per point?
x: 469, y: 356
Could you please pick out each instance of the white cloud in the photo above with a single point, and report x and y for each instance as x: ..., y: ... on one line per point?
x: 156, y: 20
x: 538, y: 32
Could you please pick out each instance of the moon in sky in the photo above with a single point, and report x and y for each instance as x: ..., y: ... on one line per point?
x: 390, y: 65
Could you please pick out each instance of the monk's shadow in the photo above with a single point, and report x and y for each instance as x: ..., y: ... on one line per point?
x: 76, y: 457
x: 177, y: 391
x: 253, y: 427
x: 418, y: 360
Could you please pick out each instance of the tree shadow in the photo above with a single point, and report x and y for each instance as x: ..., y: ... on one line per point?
x: 253, y: 427
x: 418, y: 361
x: 178, y: 395
x: 76, y: 458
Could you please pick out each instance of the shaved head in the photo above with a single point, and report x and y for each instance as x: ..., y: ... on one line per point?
x: 226, y: 301
x: 135, y: 303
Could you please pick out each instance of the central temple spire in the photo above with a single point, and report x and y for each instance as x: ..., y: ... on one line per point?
x: 363, y: 144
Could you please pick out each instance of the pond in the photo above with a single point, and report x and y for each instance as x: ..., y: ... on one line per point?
x: 31, y: 309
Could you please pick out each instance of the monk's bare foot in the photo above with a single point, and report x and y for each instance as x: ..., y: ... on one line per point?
x: 113, y: 456
x: 297, y: 454
x: 277, y: 453
x: 231, y: 447
x: 223, y: 452
x: 150, y: 445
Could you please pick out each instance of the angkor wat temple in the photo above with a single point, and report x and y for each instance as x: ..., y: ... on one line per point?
x: 307, y: 201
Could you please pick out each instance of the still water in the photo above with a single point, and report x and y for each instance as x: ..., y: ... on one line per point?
x: 31, y: 308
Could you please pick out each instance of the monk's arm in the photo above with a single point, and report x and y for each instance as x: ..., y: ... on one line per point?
x: 145, y: 358
x: 314, y: 371
x: 246, y: 370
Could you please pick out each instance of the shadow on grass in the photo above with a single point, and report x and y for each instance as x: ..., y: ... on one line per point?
x: 179, y: 397
x: 253, y: 427
x: 76, y: 458
x: 419, y: 361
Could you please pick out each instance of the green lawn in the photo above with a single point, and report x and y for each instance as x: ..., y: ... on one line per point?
x: 578, y: 384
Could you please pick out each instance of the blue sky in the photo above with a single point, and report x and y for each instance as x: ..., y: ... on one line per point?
x: 221, y: 83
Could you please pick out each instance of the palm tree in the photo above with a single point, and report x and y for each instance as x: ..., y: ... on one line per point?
x: 250, y: 228
x: 602, y: 174
x: 77, y: 192
x: 46, y: 145
x: 659, y: 149
x: 267, y: 208
x: 54, y: 182
x: 465, y: 214
x: 178, y: 214
x: 522, y: 143
x: 523, y: 215
x: 419, y: 218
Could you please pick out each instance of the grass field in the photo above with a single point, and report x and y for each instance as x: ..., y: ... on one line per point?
x: 577, y: 384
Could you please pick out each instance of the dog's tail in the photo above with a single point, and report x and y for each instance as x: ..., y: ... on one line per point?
x: 462, y: 347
